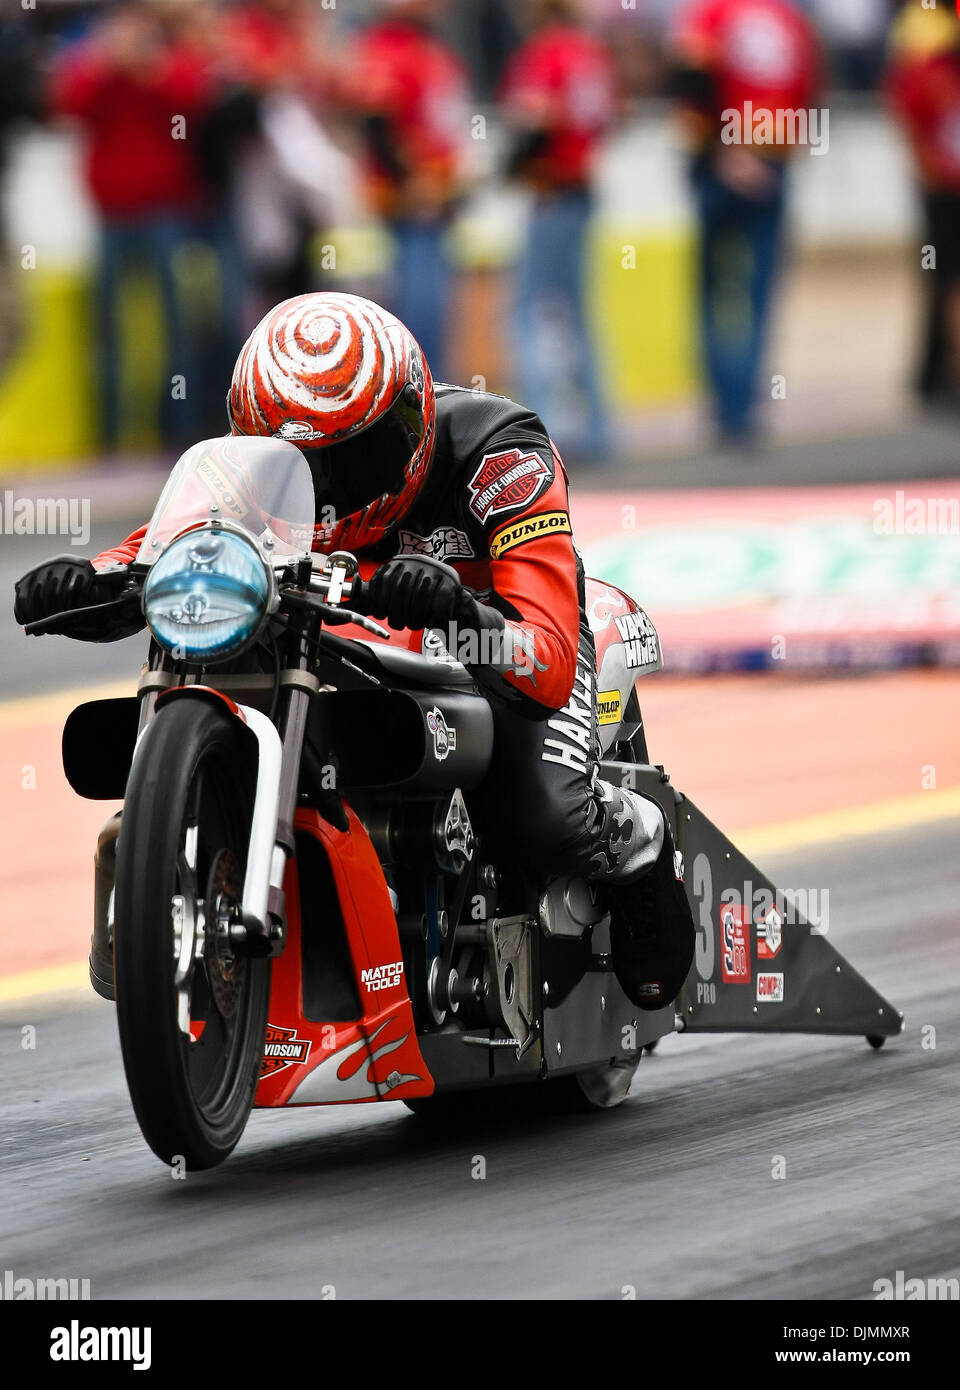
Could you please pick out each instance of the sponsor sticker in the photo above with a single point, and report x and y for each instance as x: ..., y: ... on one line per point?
x: 639, y: 636
x: 446, y: 543
x: 531, y: 528
x: 735, y: 968
x: 282, y: 1048
x: 769, y: 935
x: 575, y: 724
x: 444, y: 734
x: 609, y: 706
x: 297, y: 429
x: 504, y: 482
x: 220, y: 487
x: 769, y: 988
x: 382, y: 976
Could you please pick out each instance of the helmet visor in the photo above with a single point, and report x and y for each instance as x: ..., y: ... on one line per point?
x: 351, y: 473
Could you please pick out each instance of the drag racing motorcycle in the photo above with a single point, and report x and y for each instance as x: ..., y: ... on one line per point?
x: 298, y: 897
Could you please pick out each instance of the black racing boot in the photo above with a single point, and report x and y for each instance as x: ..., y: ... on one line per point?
x: 101, y: 943
x: 652, y: 933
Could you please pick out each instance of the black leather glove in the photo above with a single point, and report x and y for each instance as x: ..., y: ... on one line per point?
x: 65, y: 583
x: 52, y: 587
x: 414, y: 591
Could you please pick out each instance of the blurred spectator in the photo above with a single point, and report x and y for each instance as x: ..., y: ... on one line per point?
x: 749, y: 59
x: 485, y: 32
x: 19, y: 99
x: 282, y: 170
x: 410, y: 91
x: 560, y: 98
x: 923, y: 85
x: 855, y: 31
x: 217, y: 135
x: 135, y: 94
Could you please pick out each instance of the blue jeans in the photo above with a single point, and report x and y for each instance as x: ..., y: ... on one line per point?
x: 216, y: 341
x: 740, y: 242
x: 421, y: 287
x: 152, y: 242
x: 552, y: 339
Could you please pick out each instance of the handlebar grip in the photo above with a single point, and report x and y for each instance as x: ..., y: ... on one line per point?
x: 59, y: 624
x: 358, y: 595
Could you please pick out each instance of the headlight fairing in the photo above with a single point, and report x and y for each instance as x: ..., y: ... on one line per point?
x: 207, y: 595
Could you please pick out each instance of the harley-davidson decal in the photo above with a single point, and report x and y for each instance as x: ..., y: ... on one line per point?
x: 282, y: 1048
x: 506, y: 481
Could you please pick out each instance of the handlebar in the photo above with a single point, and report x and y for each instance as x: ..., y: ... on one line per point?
x: 49, y: 625
x: 325, y: 588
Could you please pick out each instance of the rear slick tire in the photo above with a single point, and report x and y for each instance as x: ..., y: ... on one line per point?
x: 602, y: 1087
x: 191, y: 1013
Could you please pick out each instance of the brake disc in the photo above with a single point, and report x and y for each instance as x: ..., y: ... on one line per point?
x: 225, y: 969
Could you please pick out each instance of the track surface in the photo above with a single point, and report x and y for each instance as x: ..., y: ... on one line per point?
x: 672, y: 1194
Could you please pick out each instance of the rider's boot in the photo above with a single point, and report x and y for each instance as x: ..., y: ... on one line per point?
x: 101, y: 943
x: 652, y: 934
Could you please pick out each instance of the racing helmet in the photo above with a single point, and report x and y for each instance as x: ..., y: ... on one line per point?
x: 345, y: 381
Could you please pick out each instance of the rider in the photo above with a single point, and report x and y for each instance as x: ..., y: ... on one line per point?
x: 429, y: 484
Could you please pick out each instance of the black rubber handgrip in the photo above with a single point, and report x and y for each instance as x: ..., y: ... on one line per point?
x: 358, y: 595
x: 54, y: 622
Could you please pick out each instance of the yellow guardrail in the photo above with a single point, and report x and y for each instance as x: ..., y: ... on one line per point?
x: 641, y: 299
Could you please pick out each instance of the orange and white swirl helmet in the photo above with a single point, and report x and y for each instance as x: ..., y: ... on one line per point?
x: 345, y: 381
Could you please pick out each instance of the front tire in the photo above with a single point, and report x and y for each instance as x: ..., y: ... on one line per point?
x: 191, y: 1009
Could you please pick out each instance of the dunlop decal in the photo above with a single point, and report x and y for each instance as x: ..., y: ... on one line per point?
x: 530, y: 529
x: 608, y: 706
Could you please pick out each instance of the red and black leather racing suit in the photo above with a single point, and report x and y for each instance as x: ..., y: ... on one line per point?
x: 495, y: 507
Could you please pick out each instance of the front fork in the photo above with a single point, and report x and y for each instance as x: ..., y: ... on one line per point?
x: 298, y: 685
x: 101, y: 943
x: 271, y: 839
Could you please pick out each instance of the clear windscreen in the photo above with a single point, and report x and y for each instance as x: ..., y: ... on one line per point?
x: 261, y: 485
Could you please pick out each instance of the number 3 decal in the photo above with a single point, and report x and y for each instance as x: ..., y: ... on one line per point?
x: 703, y: 892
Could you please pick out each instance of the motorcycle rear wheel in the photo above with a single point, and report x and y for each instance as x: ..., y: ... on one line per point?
x: 602, y: 1087
x: 191, y: 1010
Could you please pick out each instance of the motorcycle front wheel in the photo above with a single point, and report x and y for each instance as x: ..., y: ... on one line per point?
x: 191, y: 1007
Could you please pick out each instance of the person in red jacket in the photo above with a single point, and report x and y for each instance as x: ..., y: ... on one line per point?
x: 409, y: 91
x: 128, y: 86
x: 738, y: 63
x: 560, y: 98
x: 457, y: 502
x: 923, y: 89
